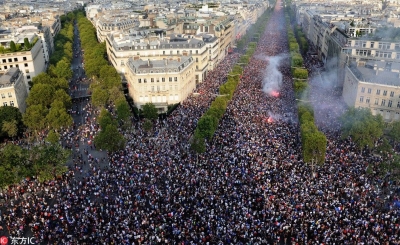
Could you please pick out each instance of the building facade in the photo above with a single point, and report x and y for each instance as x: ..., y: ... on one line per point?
x: 13, y: 91
x: 122, y: 47
x: 111, y: 23
x: 30, y: 62
x: 375, y: 86
x: 162, y: 82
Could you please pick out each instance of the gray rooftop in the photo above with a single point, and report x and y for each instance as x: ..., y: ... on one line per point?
x: 365, y: 74
x: 8, y: 78
x: 159, y: 66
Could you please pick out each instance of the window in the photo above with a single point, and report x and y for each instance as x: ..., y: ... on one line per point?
x: 367, y: 101
x: 362, y: 90
x: 9, y: 60
x: 11, y: 103
x: 362, y: 99
x: 158, y: 79
x: 5, y: 67
x: 163, y: 79
x: 170, y: 79
x: 28, y: 77
x: 163, y: 52
x: 376, y: 101
x: 391, y: 93
x: 378, y: 92
x: 4, y: 103
x: 144, y: 80
x: 383, y: 103
x: 384, y: 92
x: 15, y: 59
x: 4, y: 61
x: 139, y: 80
x: 389, y: 103
x: 152, y: 80
x: 152, y: 88
x: 3, y: 96
x: 369, y: 90
x: 9, y: 95
x: 26, y: 71
x: 175, y: 79
x: 11, y: 66
x: 371, y: 44
x: 398, y: 104
x: 24, y: 58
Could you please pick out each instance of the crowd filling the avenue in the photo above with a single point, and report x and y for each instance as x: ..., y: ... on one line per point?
x: 250, y: 187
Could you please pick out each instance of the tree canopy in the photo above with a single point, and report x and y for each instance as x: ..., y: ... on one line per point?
x: 363, y: 128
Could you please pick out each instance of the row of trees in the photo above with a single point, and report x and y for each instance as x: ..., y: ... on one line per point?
x: 255, y: 30
x: 48, y: 100
x: 106, y: 88
x: 43, y: 161
x: 313, y: 141
x: 208, y: 123
x: 47, y: 105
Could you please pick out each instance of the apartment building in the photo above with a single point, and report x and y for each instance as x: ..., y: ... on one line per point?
x: 162, y: 81
x: 212, y: 43
x: 109, y: 23
x: 372, y: 48
x: 13, y: 90
x: 374, y: 85
x: 30, y: 61
x: 123, y: 46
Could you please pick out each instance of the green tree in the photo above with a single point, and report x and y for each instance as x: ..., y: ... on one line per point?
x: 10, y: 114
x: 99, y: 97
x: 48, y: 161
x: 27, y: 44
x: 394, y: 132
x: 58, y: 117
x: 123, y: 111
x: 64, y: 98
x: 150, y: 111
x: 41, y: 94
x: 115, y: 94
x: 105, y: 119
x: 42, y: 78
x: 13, y: 162
x: 10, y: 128
x: 207, y: 126
x: 35, y: 117
x: 198, y: 143
x: 110, y: 139
x: 13, y: 47
x: 63, y: 69
x: 314, y: 147
x: 53, y: 137
x: 362, y: 126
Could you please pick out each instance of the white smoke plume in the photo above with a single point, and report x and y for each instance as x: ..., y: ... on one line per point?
x: 272, y: 81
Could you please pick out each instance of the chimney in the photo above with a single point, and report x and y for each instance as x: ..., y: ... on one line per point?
x: 179, y: 59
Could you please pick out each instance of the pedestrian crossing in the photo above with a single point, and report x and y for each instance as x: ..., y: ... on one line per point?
x: 80, y: 89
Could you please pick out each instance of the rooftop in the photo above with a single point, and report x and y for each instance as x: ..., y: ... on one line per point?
x: 369, y: 74
x: 8, y: 78
x: 159, y: 66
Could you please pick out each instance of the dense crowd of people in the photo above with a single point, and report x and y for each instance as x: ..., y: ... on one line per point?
x: 250, y: 187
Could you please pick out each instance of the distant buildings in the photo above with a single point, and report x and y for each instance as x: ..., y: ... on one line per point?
x: 367, y: 60
x: 13, y: 91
